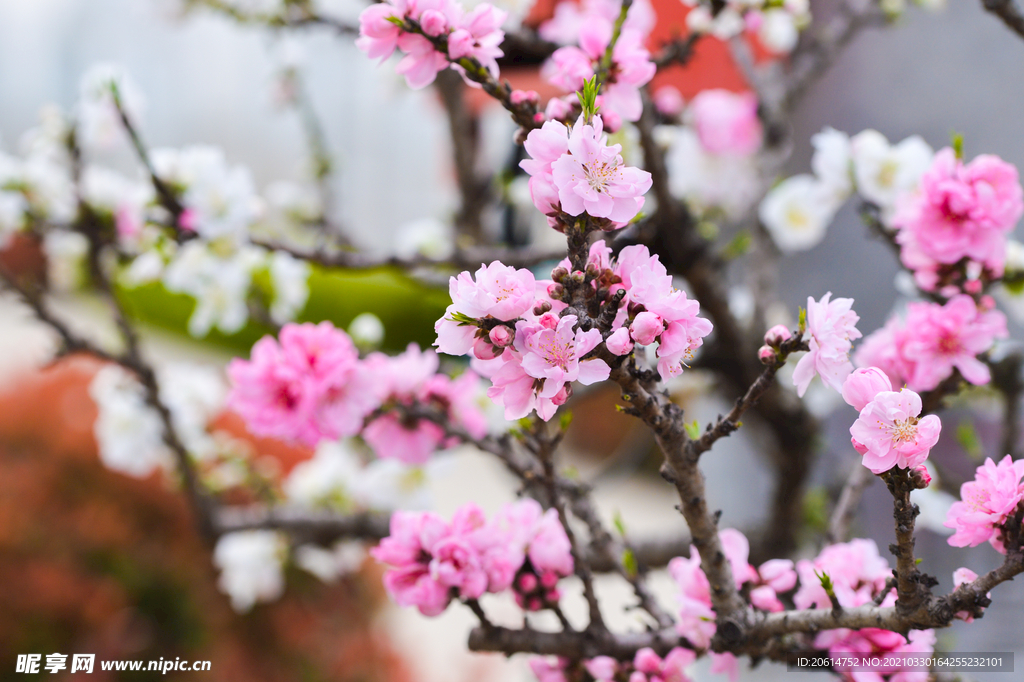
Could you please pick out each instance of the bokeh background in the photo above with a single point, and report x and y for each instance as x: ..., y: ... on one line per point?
x: 92, y: 561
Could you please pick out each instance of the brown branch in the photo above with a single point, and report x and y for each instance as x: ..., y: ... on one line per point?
x: 1006, y: 378
x: 912, y: 586
x: 1008, y: 12
x: 312, y: 525
x: 474, y: 191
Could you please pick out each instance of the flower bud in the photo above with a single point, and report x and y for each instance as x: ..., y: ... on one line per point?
x: 549, y: 579
x: 578, y: 277
x: 558, y: 274
x: 548, y: 320
x: 563, y: 394
x: 776, y: 335
x: 863, y: 384
x: 541, y: 308
x: 591, y: 271
x: 556, y: 291
x: 433, y: 22
x: 619, y: 342
x: 766, y: 354
x: 483, y: 349
x: 920, y: 476
x: 501, y: 336
x: 646, y: 327
x: 528, y: 582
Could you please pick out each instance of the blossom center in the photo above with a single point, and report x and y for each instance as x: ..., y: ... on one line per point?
x: 599, y: 174
x: 904, y: 431
x: 558, y: 354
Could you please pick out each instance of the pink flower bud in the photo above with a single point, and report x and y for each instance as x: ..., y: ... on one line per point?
x: 433, y: 22
x: 553, y: 596
x: 861, y: 387
x: 528, y: 582
x: 776, y: 335
x: 548, y: 320
x: 973, y: 286
x: 986, y: 303
x: 549, y: 579
x: 646, y: 327
x: 501, y: 336
x: 922, y: 479
x: 534, y: 604
x: 538, y: 117
x: 669, y: 101
x: 556, y: 291
x: 619, y: 342
x: 766, y: 354
x: 483, y: 349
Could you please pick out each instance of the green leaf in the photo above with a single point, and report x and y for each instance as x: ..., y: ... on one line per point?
x: 737, y: 246
x: 463, y: 319
x: 564, y: 420
x: 692, y: 430
x: 802, y: 324
x: 957, y: 140
x: 629, y: 563
x: 967, y: 436
x: 571, y: 472
x: 588, y: 98
x: 815, y: 509
x: 397, y: 21
x: 620, y: 526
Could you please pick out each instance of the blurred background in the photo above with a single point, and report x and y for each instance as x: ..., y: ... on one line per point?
x: 96, y: 562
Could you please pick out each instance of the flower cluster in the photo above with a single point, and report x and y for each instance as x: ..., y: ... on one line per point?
x: 858, y: 576
x: 575, y: 171
x: 311, y: 385
x: 421, y: 28
x: 696, y: 617
x: 889, y: 431
x: 831, y: 330
x: 933, y: 341
x: 432, y: 561
x: 776, y: 25
x: 960, y: 213
x: 510, y: 323
x: 412, y: 378
x: 986, y: 503
x: 631, y: 66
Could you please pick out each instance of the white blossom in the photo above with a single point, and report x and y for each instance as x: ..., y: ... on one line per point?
x: 427, y: 237
x: 831, y: 162
x: 884, y: 172
x: 387, y: 484
x: 366, y: 330
x: 220, y: 285
x: 128, y: 432
x: 99, y: 123
x: 797, y: 212
x: 221, y: 200
x: 12, y: 214
x: 194, y: 395
x: 328, y: 477
x: 250, y: 565
x: 330, y: 564
x: 289, y: 278
x: 778, y: 31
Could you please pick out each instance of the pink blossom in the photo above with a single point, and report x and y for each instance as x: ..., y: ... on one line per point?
x: 668, y: 101
x: 727, y: 122
x: 602, y: 668
x: 545, y: 145
x: 861, y: 387
x: 986, y: 502
x: 857, y: 572
x: 964, y: 576
x: 652, y: 668
x: 963, y: 210
x: 307, y: 387
x: 593, y: 178
x: 421, y: 62
x: 555, y: 356
x: 407, y: 550
x: 410, y: 378
x: 884, y: 349
x: 378, y: 37
x: 479, y: 36
x: 831, y: 327
x: 777, y: 335
x: 774, y: 576
x: 893, y: 434
x: 696, y: 617
x: 497, y: 291
x: 941, y: 338
x: 725, y: 664
x: 548, y: 670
